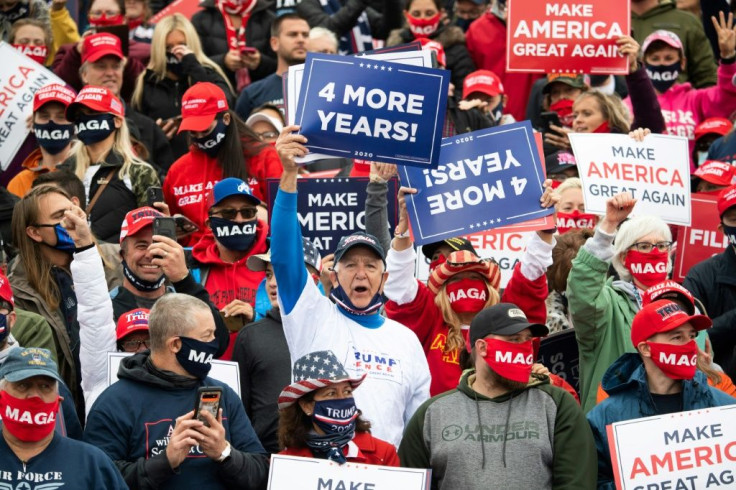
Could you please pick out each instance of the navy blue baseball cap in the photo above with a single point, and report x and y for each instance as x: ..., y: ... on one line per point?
x: 230, y: 187
x: 359, y: 239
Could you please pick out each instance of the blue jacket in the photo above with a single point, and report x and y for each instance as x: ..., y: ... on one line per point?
x: 625, y: 382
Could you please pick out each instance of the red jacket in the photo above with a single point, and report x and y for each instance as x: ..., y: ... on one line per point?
x: 226, y: 282
x: 486, y: 41
x: 424, y: 318
x: 191, y: 177
x: 370, y: 451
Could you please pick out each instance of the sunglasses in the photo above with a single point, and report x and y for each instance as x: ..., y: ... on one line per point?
x: 230, y: 214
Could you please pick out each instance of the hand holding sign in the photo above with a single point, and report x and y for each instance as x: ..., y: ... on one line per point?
x: 628, y: 47
x: 401, y: 235
x: 290, y: 145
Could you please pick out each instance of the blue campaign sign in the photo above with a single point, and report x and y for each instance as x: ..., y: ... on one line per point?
x: 375, y: 110
x: 486, y: 179
x: 329, y: 209
x: 559, y: 354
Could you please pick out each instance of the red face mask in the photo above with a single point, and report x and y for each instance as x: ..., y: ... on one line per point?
x: 107, y: 20
x: 603, y: 128
x: 576, y: 219
x: 511, y: 360
x: 563, y: 108
x: 423, y: 27
x: 28, y: 419
x: 437, y: 262
x: 236, y: 7
x: 36, y: 53
x: 675, y: 361
x: 647, y: 268
x: 467, y: 295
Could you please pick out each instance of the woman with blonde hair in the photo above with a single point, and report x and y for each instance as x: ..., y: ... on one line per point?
x: 177, y: 63
x: 460, y: 285
x: 115, y: 179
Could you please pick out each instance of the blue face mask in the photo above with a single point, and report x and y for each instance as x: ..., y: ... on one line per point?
x: 340, y: 297
x: 336, y: 416
x: 53, y: 137
x: 211, y: 143
x: 4, y: 328
x: 64, y: 241
x: 93, y: 128
x: 196, y: 356
x: 233, y: 235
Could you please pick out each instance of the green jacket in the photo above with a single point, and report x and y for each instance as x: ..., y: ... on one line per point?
x: 32, y: 330
x: 601, y: 315
x: 536, y: 437
x: 701, y: 64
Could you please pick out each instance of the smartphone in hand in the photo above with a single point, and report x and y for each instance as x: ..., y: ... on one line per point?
x: 155, y: 194
x: 208, y: 399
x: 165, y: 227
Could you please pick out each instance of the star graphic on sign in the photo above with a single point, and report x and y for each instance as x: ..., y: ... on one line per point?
x: 361, y: 65
x: 389, y: 68
x: 485, y: 223
x: 498, y: 220
x: 383, y: 68
x: 471, y: 227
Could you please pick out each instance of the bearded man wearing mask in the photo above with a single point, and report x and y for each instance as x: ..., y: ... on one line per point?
x: 237, y: 234
x: 711, y: 282
x: 544, y: 430
x: 660, y: 378
x: 158, y: 442
x: 29, y: 391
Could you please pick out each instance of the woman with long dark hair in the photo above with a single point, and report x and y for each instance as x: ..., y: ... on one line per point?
x: 222, y: 146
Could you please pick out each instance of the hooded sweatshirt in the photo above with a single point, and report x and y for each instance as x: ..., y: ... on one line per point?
x: 536, y: 437
x: 230, y: 281
x: 684, y: 107
x: 192, y: 176
x: 626, y: 383
x: 135, y: 435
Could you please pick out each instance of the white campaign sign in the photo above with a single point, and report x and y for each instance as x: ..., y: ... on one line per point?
x: 655, y: 171
x: 683, y: 450
x: 225, y: 371
x: 505, y: 246
x: 290, y: 472
x: 20, y: 77
x: 296, y: 74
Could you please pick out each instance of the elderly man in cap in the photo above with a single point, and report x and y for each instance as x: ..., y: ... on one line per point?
x: 661, y: 377
x: 503, y: 427
x: 148, y: 263
x: 262, y: 353
x: 363, y: 340
x: 237, y: 234
x: 30, y: 449
x: 712, y: 282
x: 158, y: 442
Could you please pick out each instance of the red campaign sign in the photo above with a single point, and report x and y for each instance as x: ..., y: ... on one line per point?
x: 578, y: 36
x: 702, y: 240
x: 185, y: 7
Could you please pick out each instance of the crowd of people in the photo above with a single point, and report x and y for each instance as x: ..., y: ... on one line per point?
x: 137, y: 222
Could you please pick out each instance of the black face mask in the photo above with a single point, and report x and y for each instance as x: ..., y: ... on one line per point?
x: 663, y: 76
x: 53, y: 137
x: 140, y: 284
x: 174, y: 65
x: 496, y: 113
x: 93, y: 128
x: 463, y: 24
x: 196, y: 356
x: 211, y: 143
x: 233, y: 235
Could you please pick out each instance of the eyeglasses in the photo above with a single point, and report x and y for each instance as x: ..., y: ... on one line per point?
x: 134, y: 345
x: 646, y: 247
x: 230, y: 214
x: 268, y: 135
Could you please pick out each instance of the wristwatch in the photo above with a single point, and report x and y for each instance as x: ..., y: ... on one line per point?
x: 225, y: 454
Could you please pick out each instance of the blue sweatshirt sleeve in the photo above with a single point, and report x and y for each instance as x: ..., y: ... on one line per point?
x: 287, y: 253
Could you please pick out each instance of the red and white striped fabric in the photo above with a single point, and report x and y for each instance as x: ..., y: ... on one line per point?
x: 312, y: 372
x: 464, y: 261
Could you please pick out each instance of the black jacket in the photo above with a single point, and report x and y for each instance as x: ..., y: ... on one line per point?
x: 7, y: 203
x: 116, y: 199
x: 265, y: 369
x: 162, y: 97
x: 211, y: 29
x: 466, y: 121
x: 382, y: 23
x: 452, y: 38
x: 713, y: 282
x: 153, y: 138
x: 123, y: 301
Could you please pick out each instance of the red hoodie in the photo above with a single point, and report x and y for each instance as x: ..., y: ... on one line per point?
x: 192, y: 176
x: 229, y: 281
